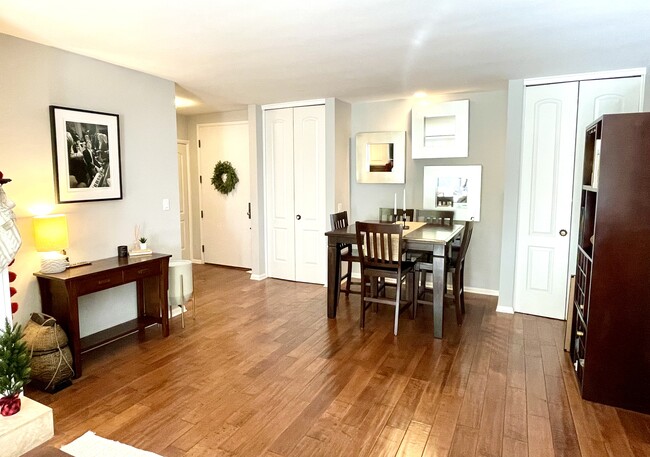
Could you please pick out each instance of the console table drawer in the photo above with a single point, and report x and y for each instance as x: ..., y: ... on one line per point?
x: 99, y: 282
x: 142, y: 271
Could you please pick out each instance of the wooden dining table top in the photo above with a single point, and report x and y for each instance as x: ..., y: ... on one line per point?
x: 425, y: 232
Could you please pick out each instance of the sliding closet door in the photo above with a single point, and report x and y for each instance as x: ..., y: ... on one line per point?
x: 309, y: 172
x: 278, y: 143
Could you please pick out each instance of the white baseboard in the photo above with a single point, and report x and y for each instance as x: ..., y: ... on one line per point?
x: 176, y: 310
x: 258, y: 277
x: 505, y: 310
x: 198, y: 261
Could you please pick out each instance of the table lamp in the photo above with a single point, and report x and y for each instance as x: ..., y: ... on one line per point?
x: 51, y: 238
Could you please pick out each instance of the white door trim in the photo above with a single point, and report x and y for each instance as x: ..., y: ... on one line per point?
x: 625, y: 73
x: 298, y: 104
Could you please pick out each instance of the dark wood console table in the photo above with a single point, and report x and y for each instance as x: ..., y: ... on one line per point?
x: 60, y: 293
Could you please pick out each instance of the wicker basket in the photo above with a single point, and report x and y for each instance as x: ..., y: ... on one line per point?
x: 51, y: 358
x: 42, y: 333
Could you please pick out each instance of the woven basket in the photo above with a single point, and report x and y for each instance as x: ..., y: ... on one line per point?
x: 53, y: 367
x: 51, y: 358
x: 43, y: 334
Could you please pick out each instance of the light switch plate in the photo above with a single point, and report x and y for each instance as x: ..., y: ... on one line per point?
x: 165, y: 204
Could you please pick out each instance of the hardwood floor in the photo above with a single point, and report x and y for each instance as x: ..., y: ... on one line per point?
x: 263, y: 372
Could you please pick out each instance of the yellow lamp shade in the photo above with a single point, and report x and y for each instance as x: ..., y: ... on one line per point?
x: 50, y: 232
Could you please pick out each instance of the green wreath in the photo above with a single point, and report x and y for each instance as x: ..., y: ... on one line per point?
x: 225, y: 177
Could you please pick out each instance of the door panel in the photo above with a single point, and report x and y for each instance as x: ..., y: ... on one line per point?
x: 225, y: 227
x: 598, y: 97
x: 544, y: 209
x: 278, y: 141
x: 183, y: 197
x: 309, y: 159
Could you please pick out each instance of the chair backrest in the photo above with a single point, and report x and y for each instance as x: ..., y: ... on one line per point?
x: 444, y: 201
x: 339, y: 220
x: 379, y: 245
x: 464, y: 244
x: 387, y: 214
x: 435, y: 216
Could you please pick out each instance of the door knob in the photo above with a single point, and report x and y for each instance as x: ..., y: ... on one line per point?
x: 563, y: 232
x: 298, y: 216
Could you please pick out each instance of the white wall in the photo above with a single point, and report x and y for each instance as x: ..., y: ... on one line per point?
x: 36, y: 76
x: 487, y: 134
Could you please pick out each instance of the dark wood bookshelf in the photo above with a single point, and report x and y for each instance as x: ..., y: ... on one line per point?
x: 610, y: 344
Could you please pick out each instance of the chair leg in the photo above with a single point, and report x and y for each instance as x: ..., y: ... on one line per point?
x: 397, y: 299
x: 362, y: 307
x: 349, y: 279
x: 456, y: 289
x: 462, y: 290
x: 413, y: 293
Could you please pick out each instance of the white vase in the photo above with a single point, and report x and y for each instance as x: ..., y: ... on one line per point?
x: 143, y: 246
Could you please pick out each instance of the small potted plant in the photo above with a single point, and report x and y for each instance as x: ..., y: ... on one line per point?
x: 143, y: 242
x: 14, y: 368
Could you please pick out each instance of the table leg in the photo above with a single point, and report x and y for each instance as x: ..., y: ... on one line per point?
x: 74, y: 334
x: 163, y: 284
x: 439, y: 286
x: 333, y: 284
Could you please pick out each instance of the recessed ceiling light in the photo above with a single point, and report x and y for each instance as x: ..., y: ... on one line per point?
x: 181, y: 102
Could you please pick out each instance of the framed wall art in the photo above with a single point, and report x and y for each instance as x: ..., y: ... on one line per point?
x: 456, y: 188
x: 381, y: 157
x: 86, y: 154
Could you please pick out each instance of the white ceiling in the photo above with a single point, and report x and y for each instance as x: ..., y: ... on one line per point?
x: 226, y: 54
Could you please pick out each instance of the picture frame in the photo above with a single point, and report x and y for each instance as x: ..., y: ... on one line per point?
x: 381, y: 157
x: 86, y: 155
x: 454, y: 188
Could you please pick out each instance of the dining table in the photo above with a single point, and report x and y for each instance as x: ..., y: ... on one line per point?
x: 418, y: 236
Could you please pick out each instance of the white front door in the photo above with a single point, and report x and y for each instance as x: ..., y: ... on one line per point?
x: 225, y: 225
x: 548, y: 146
x: 184, y: 200
x: 294, y: 142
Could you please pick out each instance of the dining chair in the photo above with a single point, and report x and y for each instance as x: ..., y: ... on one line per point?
x: 435, y: 216
x: 454, y: 265
x: 444, y: 201
x: 380, y: 251
x: 338, y: 221
x: 388, y: 214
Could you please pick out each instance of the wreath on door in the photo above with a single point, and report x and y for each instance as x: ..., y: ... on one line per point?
x: 224, y: 178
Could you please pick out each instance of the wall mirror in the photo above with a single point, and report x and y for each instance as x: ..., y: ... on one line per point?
x: 381, y: 157
x: 440, y: 130
x: 456, y: 188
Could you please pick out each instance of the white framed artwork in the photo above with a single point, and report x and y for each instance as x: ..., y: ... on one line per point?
x: 381, y: 157
x: 440, y: 130
x: 456, y: 188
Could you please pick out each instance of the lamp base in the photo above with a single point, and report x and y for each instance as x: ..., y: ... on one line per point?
x: 53, y: 264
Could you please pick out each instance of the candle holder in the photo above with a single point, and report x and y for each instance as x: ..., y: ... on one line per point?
x: 405, y: 227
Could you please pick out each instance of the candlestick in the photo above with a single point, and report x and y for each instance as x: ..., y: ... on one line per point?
x: 395, y: 205
x: 404, y: 200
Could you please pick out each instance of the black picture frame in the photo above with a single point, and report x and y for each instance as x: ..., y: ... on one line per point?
x: 86, y: 155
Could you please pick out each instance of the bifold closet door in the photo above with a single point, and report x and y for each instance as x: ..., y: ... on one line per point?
x: 295, y: 183
x: 546, y: 181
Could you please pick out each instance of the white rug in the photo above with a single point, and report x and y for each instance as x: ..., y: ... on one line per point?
x: 91, y: 445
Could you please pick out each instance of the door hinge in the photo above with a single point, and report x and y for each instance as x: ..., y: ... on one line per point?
x: 200, y: 179
x: 201, y: 214
x: 203, y: 248
x: 199, y: 143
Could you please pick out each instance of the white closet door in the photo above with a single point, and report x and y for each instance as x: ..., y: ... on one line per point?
x: 309, y: 173
x: 544, y: 201
x: 598, y: 97
x: 278, y: 141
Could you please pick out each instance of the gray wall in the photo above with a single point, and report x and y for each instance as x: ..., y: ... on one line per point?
x: 487, y: 134
x: 36, y: 76
x: 181, y: 127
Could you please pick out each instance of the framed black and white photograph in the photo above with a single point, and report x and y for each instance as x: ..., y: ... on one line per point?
x: 86, y: 149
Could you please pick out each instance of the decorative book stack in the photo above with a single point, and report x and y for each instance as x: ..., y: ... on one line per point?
x: 137, y: 252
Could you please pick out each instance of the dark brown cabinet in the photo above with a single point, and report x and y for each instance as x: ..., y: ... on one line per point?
x: 610, y: 346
